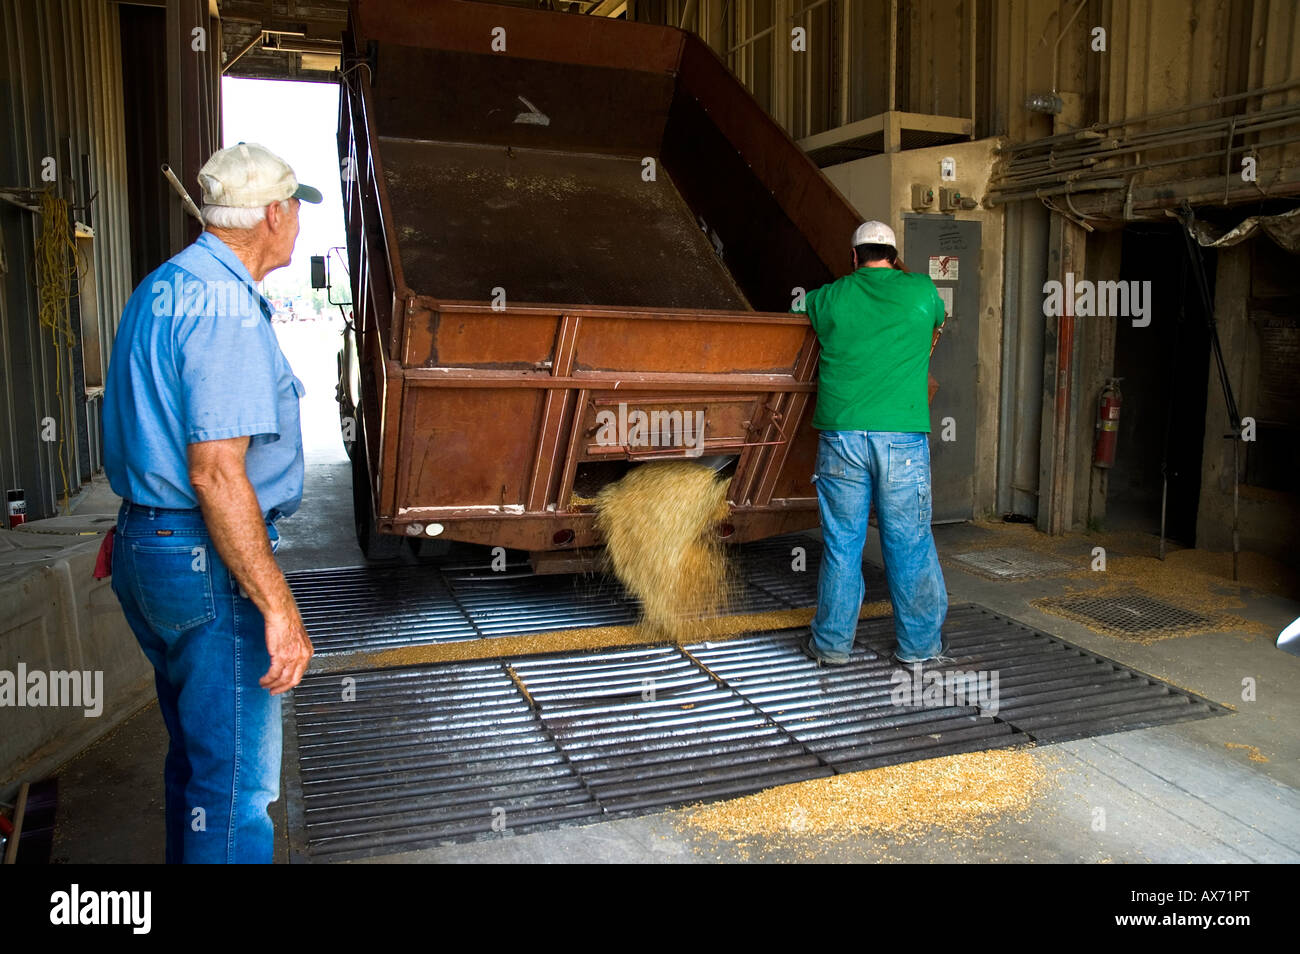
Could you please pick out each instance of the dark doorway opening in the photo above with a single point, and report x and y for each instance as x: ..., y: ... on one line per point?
x: 1165, y: 368
x: 144, y: 96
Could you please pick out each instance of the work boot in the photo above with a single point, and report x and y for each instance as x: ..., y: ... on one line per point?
x: 816, y: 657
x: 943, y: 659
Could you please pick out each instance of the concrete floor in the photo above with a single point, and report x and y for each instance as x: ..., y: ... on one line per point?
x: 1195, y: 791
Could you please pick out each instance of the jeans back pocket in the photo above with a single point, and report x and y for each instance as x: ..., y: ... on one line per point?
x: 909, y: 463
x: 173, y: 585
x: 831, y: 461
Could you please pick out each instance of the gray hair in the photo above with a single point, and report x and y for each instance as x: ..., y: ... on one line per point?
x: 230, y: 217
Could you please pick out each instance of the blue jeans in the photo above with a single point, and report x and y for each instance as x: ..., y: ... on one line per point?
x: 207, y: 644
x: 853, y: 468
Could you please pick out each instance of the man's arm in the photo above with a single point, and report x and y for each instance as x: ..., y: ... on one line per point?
x: 234, y: 520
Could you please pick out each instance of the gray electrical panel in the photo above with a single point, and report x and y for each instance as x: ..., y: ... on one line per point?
x: 949, y: 252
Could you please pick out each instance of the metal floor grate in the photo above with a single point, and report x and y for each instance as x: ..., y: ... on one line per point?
x: 347, y: 607
x: 365, y: 608
x: 1127, y: 614
x: 423, y: 755
x: 846, y: 714
x: 652, y: 727
x: 436, y: 754
x: 1010, y: 563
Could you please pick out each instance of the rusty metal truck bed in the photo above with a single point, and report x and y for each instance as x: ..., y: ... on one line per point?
x: 553, y: 219
x: 596, y: 232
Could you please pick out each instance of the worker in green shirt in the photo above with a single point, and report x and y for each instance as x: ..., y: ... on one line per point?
x: 876, y: 326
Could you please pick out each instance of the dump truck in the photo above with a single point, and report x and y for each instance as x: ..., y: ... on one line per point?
x: 556, y: 225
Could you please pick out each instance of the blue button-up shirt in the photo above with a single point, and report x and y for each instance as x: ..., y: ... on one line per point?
x: 196, y: 359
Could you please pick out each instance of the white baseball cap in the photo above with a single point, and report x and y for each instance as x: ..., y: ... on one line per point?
x: 249, y: 176
x: 874, y: 233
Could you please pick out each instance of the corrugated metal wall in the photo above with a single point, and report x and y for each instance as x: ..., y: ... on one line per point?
x: 1237, y: 63
x: 61, y: 97
x: 842, y: 73
x: 1172, y: 53
x: 935, y: 57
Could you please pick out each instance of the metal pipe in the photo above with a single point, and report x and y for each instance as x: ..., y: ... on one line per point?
x: 764, y: 32
x: 1056, y: 47
x: 251, y: 43
x: 1060, y: 503
x: 970, y: 54
x: 1078, y: 145
x: 757, y: 36
x: 1085, y: 156
x: 190, y: 207
x: 20, y: 812
x: 800, y: 12
x: 686, y: 14
x: 1048, y: 141
x: 8, y: 197
x: 1010, y: 330
x: 1024, y: 182
x: 1028, y: 192
x: 1020, y: 195
x: 1083, y: 162
x: 1236, y: 503
x: 893, y: 58
x: 1164, y: 501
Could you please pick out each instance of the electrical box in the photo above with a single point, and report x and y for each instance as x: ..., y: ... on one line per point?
x: 922, y: 197
x: 951, y: 200
x: 948, y: 251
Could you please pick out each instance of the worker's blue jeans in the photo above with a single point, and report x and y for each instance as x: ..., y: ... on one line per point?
x: 207, y: 644
x: 853, y: 468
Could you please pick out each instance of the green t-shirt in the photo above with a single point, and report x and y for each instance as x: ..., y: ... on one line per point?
x: 875, y: 327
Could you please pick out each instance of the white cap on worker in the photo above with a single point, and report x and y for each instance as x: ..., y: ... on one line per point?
x: 874, y: 233
x: 249, y: 176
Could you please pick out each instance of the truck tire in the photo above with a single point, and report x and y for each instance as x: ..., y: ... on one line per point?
x: 377, y: 547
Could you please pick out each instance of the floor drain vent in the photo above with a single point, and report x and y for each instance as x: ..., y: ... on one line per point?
x: 1127, y: 614
x: 1011, y: 563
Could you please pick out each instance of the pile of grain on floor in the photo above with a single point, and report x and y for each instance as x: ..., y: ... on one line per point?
x: 1196, y: 580
x: 961, y: 793
x: 1135, y: 556
x: 659, y: 525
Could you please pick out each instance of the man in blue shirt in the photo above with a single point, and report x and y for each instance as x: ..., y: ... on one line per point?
x: 202, y: 441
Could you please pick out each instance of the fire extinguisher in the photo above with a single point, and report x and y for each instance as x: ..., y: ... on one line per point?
x: 1103, y: 454
x: 17, y: 505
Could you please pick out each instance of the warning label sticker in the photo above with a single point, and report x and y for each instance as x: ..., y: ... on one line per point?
x: 945, y: 293
x: 943, y: 268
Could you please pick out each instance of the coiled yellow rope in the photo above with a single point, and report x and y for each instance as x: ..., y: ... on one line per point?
x: 55, y: 269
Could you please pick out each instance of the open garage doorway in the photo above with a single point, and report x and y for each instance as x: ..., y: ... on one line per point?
x: 299, y: 121
x: 1164, y: 368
